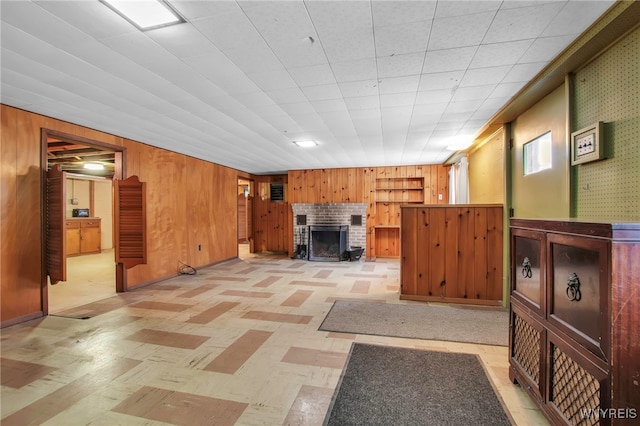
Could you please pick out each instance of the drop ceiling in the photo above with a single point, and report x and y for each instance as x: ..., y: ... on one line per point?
x: 373, y: 82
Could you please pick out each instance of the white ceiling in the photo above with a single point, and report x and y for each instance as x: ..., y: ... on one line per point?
x: 374, y: 82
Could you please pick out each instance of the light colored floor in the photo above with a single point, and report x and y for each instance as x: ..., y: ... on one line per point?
x: 238, y: 343
x: 90, y: 277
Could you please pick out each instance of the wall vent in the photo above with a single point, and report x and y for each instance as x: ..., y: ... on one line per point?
x: 277, y: 191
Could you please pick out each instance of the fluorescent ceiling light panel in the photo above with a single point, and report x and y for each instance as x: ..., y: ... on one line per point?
x: 93, y: 166
x: 145, y: 14
x: 305, y: 144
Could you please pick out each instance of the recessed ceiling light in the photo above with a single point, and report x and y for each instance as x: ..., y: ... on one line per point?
x: 145, y: 14
x: 93, y: 166
x: 306, y: 144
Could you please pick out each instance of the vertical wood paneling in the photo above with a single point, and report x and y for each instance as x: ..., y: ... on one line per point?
x: 437, y: 259
x: 29, y: 203
x: 9, y: 215
x: 273, y: 220
x: 423, y: 246
x: 458, y: 250
x: 409, y: 253
x: 451, y: 253
x: 178, y: 204
x: 478, y: 289
x: 465, y: 250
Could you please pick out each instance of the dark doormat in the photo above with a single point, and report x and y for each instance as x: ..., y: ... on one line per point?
x: 384, y: 385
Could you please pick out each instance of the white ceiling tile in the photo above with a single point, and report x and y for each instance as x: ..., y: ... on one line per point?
x: 574, y: 18
x: 257, y: 58
x: 330, y: 105
x: 428, y: 97
x: 300, y: 53
x: 230, y: 30
x: 442, y: 80
x: 365, y: 114
x: 530, y: 22
x: 523, y: 72
x: 362, y: 102
x: 182, y: 40
x: 279, y: 20
x: 272, y: 80
x: 504, y: 90
x: 315, y: 75
x: 400, y: 65
x: 439, y: 61
x: 464, y: 106
x: 322, y: 92
x: 362, y: 69
x: 402, y: 38
x: 457, y: 8
x: 497, y: 54
x: 348, y: 45
x: 390, y: 12
x: 472, y: 93
x: 397, y: 99
x: 406, y: 84
x: 545, y: 49
x: 330, y: 17
x: 359, y: 88
x: 193, y: 10
x: 287, y: 96
x: 459, y: 31
x: 84, y: 15
x: 428, y: 112
x: 482, y: 76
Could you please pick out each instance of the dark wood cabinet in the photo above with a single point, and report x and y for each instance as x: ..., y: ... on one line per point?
x: 575, y: 318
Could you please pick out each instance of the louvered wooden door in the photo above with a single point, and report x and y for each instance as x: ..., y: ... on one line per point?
x: 130, y: 222
x: 56, y: 225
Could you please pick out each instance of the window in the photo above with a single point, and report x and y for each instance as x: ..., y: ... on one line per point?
x: 537, y: 154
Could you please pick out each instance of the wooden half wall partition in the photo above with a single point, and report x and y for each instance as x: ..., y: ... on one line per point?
x: 452, y: 253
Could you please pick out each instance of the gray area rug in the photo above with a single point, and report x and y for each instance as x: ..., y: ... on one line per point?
x: 384, y: 385
x: 420, y: 321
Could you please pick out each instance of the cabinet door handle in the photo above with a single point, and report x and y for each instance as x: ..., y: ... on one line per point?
x: 573, y: 288
x: 526, y: 268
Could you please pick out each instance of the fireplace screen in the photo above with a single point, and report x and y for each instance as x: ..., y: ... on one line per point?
x: 327, y: 243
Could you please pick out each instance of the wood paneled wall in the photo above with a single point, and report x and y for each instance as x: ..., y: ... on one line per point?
x: 190, y: 203
x: 272, y: 224
x: 452, y: 253
x: 358, y: 185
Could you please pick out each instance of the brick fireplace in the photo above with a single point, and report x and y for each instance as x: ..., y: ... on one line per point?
x: 351, y: 216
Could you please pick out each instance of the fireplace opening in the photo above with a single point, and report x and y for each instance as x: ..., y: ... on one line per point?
x: 327, y: 243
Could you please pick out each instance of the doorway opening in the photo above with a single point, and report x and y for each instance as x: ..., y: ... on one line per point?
x: 245, y: 195
x: 90, y: 169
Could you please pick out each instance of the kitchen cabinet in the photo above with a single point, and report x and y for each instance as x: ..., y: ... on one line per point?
x: 83, y: 236
x: 575, y: 314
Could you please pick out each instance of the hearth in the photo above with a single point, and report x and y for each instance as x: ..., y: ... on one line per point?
x: 327, y: 243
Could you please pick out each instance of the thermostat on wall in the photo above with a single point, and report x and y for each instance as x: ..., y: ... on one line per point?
x: 586, y: 144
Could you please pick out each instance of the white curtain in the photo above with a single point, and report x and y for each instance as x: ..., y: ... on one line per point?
x: 452, y: 184
x: 459, y: 182
x: 462, y: 195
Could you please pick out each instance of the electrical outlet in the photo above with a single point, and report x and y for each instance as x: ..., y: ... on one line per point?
x: 440, y: 197
x: 199, y: 247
